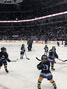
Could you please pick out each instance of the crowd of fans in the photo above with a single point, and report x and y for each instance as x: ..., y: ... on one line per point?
x: 35, y: 31
x: 54, y: 28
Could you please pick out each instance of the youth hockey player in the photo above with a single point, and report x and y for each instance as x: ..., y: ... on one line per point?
x: 22, y: 51
x: 52, y: 56
x: 44, y: 66
x: 29, y: 43
x: 58, y: 44
x: 46, y: 49
x: 4, y: 58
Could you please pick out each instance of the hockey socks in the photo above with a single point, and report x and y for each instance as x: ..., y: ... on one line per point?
x: 39, y: 87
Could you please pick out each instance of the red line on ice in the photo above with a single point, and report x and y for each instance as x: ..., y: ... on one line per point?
x: 3, y: 87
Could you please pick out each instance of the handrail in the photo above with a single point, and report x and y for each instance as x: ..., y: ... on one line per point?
x: 35, y: 19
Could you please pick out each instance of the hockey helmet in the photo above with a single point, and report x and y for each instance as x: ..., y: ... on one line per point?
x: 44, y: 57
x: 53, y: 48
x: 3, y: 48
x: 23, y: 45
x: 45, y: 45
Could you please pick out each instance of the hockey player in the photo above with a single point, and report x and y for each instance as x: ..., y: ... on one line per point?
x: 44, y: 66
x: 62, y: 43
x: 52, y: 56
x: 46, y: 49
x: 58, y: 44
x: 4, y: 58
x: 29, y: 43
x: 22, y: 51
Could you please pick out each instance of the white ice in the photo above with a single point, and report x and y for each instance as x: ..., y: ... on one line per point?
x: 24, y: 74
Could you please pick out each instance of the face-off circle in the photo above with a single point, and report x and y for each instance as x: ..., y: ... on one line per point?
x: 3, y: 87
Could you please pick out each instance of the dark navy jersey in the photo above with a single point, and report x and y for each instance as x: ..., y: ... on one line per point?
x: 44, y: 67
x: 52, y: 55
x: 23, y: 49
x: 29, y: 42
x: 46, y: 49
x: 4, y: 57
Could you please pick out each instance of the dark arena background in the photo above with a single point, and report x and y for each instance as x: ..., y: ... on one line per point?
x: 32, y: 24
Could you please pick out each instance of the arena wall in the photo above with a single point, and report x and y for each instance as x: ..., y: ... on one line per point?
x: 35, y: 42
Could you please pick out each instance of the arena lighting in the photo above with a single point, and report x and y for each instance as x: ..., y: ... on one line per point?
x: 30, y: 20
x: 10, y: 1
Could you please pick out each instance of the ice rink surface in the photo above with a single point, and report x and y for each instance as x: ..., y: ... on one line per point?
x: 24, y: 74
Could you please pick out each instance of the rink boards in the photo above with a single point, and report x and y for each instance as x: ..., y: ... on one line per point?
x: 35, y: 42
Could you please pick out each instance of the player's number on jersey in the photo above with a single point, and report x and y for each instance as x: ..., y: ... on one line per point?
x: 46, y: 67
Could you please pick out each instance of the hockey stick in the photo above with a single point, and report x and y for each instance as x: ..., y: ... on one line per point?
x: 27, y: 57
x: 61, y: 63
x: 38, y: 59
x: 62, y: 60
x: 15, y: 60
x: 58, y: 59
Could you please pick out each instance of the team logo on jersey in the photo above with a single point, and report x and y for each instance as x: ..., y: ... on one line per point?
x: 3, y: 57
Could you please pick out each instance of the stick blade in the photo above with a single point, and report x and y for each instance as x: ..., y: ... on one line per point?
x: 38, y: 59
x: 15, y: 60
x: 28, y: 58
x: 64, y: 60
